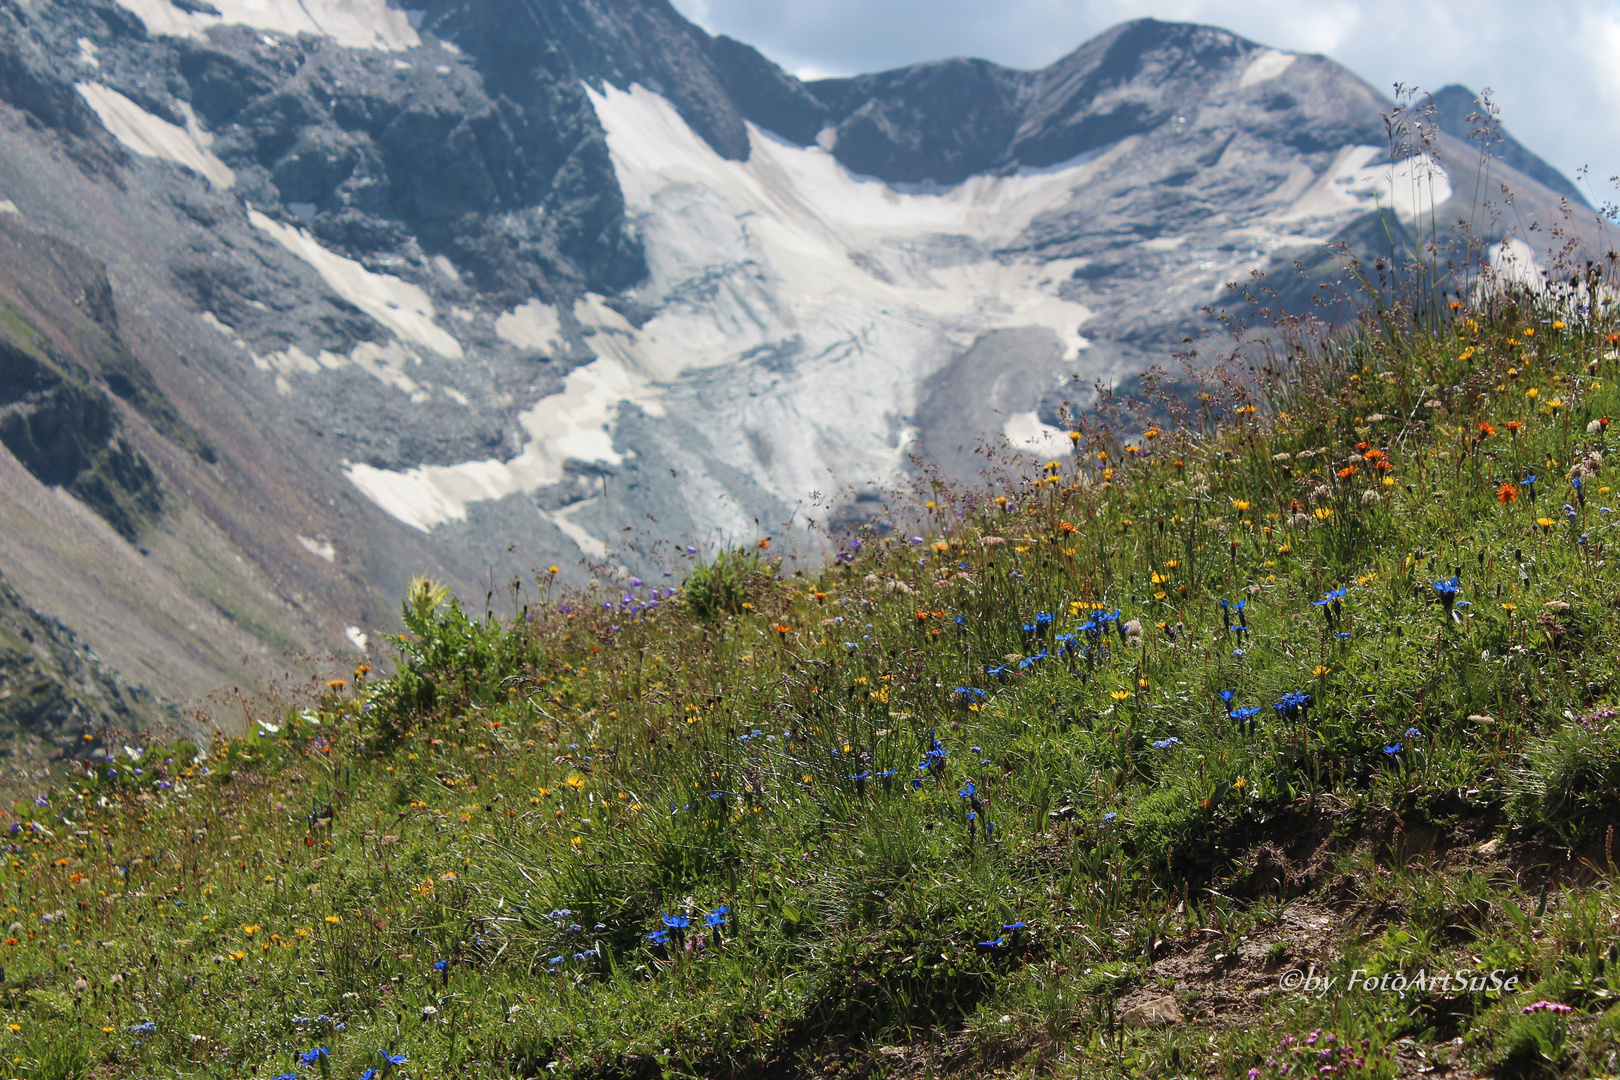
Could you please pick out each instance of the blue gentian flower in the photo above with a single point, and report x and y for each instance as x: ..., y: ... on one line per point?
x: 1412, y: 733
x: 1226, y: 696
x: 1393, y: 750
x: 1448, y: 591
x: 310, y: 1057
x: 676, y: 922
x: 555, y: 961
x: 395, y: 1059
x: 967, y: 792
x: 1167, y: 744
x: 717, y: 917
x: 441, y: 965
x: 658, y: 937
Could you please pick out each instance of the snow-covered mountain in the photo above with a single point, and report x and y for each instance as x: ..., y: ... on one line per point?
x: 305, y: 296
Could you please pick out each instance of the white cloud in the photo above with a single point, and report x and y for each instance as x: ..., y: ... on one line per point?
x: 1551, y: 65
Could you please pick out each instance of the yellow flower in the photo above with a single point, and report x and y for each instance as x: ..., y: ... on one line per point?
x: 334, y: 919
x: 1119, y: 695
x: 1532, y: 392
x: 1558, y: 324
x: 238, y: 956
x: 250, y: 929
x: 578, y: 841
x: 1509, y: 605
x: 1285, y: 549
x: 1320, y: 670
x: 575, y: 781
x: 1322, y: 513
x: 1240, y: 783
x: 1545, y: 522
x: 13, y: 1027
x: 807, y: 778
x: 552, y: 570
x: 1529, y: 331
x: 1556, y: 403
x: 1240, y: 505
x: 303, y: 931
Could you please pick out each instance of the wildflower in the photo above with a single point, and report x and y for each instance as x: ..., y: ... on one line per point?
x: 1292, y: 705
x: 1529, y: 485
x: 1513, y: 426
x: 1393, y: 750
x: 1508, y: 492
x: 1545, y: 522
x: 1447, y: 591
x: 1347, y: 472
x: 717, y: 917
x: 1545, y: 1006
x: 1321, y: 669
x: 1240, y: 505
x: 1167, y: 744
x: 1486, y: 428
x: 1413, y: 733
x: 676, y: 922
x: 310, y: 1057
x: 1119, y: 695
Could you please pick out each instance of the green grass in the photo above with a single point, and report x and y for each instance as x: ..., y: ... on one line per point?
x: 461, y: 864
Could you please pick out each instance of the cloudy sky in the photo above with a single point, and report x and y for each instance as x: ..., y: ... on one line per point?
x: 1554, y: 65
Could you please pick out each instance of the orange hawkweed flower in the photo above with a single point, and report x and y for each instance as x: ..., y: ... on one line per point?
x: 1486, y: 429
x: 1374, y: 454
x: 1347, y: 472
x: 1507, y: 493
x: 1363, y: 447
x: 1513, y: 426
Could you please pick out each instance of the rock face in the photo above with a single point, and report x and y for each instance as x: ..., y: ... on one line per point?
x: 302, y: 297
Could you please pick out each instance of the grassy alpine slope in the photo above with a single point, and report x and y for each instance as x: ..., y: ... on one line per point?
x: 1125, y: 768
